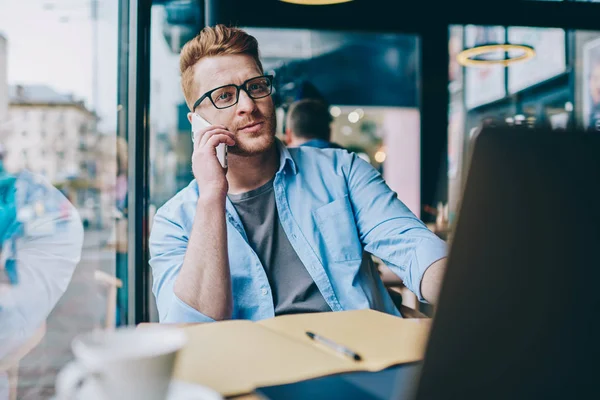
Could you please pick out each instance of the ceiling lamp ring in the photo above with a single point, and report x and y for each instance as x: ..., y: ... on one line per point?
x: 467, y: 56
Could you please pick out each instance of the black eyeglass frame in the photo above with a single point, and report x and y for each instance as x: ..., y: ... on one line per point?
x: 238, y: 88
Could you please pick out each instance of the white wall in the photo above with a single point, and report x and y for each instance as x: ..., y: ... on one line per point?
x: 402, y: 167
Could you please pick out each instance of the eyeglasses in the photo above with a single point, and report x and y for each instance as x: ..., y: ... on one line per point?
x: 228, y: 95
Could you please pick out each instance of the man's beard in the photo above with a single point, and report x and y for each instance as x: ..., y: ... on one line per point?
x: 253, y: 144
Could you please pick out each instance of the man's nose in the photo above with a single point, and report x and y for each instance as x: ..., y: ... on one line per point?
x: 245, y: 103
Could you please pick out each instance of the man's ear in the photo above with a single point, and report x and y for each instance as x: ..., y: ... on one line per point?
x: 189, y: 115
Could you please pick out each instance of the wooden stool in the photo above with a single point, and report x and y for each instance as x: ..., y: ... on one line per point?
x: 113, y: 283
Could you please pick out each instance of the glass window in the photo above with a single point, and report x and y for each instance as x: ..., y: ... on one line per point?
x: 485, y: 84
x: 370, y: 82
x: 46, y: 301
x: 558, y: 88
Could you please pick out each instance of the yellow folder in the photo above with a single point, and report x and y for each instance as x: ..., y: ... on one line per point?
x: 236, y: 357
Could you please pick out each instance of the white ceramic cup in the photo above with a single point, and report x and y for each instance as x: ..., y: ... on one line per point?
x: 126, y: 363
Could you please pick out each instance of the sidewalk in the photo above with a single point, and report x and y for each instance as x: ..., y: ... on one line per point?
x: 81, y: 309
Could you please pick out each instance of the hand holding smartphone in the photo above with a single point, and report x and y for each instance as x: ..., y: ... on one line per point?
x: 198, y: 123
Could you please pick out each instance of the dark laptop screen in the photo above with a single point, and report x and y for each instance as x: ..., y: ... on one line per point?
x: 518, y: 315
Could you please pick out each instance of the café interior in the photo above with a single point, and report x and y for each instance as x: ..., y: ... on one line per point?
x: 481, y: 119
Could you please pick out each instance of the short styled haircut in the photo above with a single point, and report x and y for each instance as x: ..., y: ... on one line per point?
x: 213, y: 41
x: 310, y: 119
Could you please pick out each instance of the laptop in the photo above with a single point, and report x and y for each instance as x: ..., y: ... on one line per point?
x: 519, y: 309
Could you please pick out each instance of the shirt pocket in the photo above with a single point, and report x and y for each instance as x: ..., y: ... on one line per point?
x: 337, y: 228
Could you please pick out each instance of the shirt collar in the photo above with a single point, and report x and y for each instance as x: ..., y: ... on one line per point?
x: 285, y: 159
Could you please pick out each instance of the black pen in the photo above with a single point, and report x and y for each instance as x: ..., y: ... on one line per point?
x: 331, y: 344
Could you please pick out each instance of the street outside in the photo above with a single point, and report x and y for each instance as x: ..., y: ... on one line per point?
x: 81, y: 309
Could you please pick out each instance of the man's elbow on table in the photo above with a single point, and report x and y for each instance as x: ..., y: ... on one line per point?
x: 178, y: 311
x: 216, y: 310
x: 432, y: 281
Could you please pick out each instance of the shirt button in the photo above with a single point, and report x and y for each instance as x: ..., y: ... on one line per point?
x: 264, y: 292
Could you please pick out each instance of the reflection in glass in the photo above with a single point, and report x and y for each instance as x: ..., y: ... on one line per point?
x: 58, y: 139
x: 549, y: 61
x: 591, y: 84
x: 41, y: 237
x: 485, y: 84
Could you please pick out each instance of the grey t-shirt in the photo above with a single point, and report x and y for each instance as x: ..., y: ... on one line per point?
x: 294, y: 290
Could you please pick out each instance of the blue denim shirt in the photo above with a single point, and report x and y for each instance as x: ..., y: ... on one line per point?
x: 332, y: 206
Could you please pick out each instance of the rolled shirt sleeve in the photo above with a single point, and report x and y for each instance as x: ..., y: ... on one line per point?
x: 388, y: 229
x: 168, y: 244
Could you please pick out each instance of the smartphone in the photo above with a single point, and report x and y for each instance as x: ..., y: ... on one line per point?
x: 198, y: 123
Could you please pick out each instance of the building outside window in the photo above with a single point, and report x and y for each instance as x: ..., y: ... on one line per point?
x: 45, y: 110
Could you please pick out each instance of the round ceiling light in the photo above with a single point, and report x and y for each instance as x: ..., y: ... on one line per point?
x: 316, y: 2
x: 467, y: 56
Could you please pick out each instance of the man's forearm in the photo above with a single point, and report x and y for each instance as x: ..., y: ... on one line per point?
x: 204, y: 281
x: 432, y: 281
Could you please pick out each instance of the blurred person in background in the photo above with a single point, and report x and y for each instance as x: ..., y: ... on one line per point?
x: 308, y: 123
x: 41, y: 237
